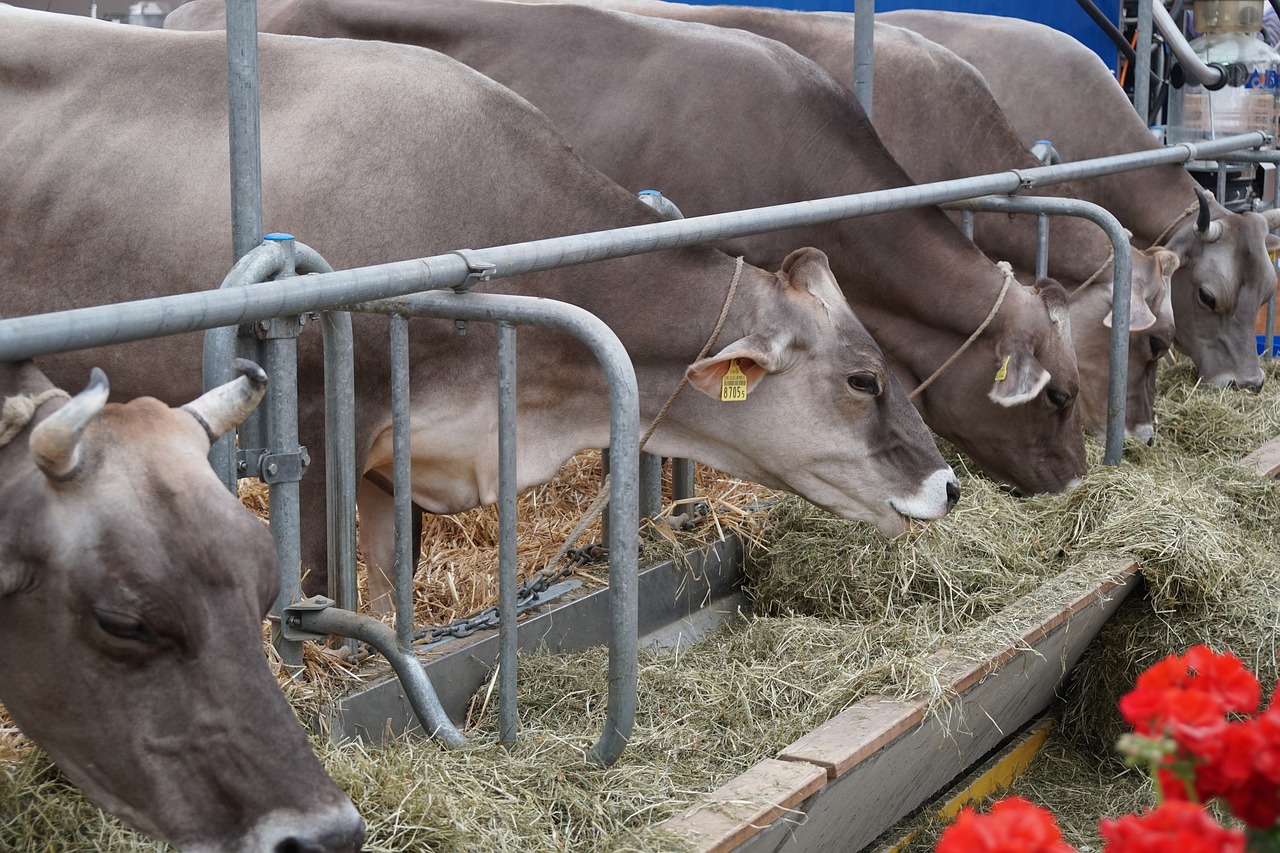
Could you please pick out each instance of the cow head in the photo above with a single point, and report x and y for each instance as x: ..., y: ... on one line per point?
x: 1017, y: 387
x: 132, y: 592
x: 1151, y: 330
x: 1225, y: 277
x: 819, y: 412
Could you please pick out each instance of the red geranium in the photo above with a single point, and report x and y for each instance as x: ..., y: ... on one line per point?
x: 1174, y: 826
x: 1013, y: 825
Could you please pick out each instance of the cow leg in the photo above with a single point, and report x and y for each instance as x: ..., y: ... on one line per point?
x: 376, y: 537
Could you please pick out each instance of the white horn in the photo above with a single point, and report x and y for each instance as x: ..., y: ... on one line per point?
x: 55, y: 441
x: 219, y: 410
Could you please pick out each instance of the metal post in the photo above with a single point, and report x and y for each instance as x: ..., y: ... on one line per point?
x: 863, y: 51
x: 1042, y: 245
x: 508, y: 725
x: 244, y: 132
x: 402, y: 480
x: 1142, y: 61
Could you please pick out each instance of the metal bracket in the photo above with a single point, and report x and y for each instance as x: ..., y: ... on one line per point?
x: 481, y: 270
x: 1024, y: 182
x: 290, y: 624
x: 272, y: 468
x: 282, y: 328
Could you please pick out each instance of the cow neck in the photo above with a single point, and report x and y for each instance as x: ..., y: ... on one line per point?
x: 1007, y: 269
x: 602, y: 493
x: 17, y: 411
x: 1175, y: 222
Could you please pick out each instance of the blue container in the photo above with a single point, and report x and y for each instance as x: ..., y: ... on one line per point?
x: 1275, y: 345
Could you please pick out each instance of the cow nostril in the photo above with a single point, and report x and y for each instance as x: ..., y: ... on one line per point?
x: 953, y: 493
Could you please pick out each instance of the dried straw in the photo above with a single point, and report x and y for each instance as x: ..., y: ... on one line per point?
x: 843, y: 614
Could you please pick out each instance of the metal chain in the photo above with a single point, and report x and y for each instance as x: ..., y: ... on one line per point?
x: 526, y: 595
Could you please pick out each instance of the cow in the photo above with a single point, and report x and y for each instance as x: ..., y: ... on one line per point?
x: 132, y: 593
x: 1052, y: 87
x: 646, y: 101
x: 963, y: 133
x: 377, y: 152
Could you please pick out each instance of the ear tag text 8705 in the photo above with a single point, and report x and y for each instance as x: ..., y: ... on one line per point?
x: 733, y: 385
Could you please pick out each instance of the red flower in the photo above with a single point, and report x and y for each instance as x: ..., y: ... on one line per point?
x: 1174, y: 826
x: 1013, y: 825
x: 1188, y: 697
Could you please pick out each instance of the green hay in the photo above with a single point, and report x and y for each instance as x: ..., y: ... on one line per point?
x: 844, y: 615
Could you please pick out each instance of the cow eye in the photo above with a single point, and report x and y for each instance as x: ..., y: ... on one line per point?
x: 123, y: 627
x: 1057, y: 398
x: 1207, y: 299
x: 865, y: 383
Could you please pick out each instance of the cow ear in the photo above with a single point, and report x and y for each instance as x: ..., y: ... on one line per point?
x: 1019, y: 378
x: 810, y: 270
x: 747, y: 355
x: 1140, y: 316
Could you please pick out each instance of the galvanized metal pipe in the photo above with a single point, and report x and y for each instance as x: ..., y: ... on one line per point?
x: 402, y: 479
x: 1209, y: 76
x: 508, y: 581
x: 624, y: 432
x: 864, y: 11
x: 244, y: 130
x: 1042, y: 245
x: 417, y: 686
x: 42, y: 334
x: 1120, y: 294
x: 1142, y: 62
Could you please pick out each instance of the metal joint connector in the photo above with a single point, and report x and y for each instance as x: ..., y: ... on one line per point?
x: 292, y: 620
x: 1025, y: 182
x: 481, y: 270
x: 273, y: 468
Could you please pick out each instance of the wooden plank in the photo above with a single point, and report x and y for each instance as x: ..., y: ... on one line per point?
x: 995, y: 775
x: 764, y: 794
x: 884, y: 758
x: 1265, y: 461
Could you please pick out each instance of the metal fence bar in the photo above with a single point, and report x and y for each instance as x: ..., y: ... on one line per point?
x: 81, y: 328
x: 402, y: 480
x: 508, y: 581
x: 1042, y: 245
x: 243, y: 126
x: 624, y: 438
x: 1120, y: 293
x: 863, y: 53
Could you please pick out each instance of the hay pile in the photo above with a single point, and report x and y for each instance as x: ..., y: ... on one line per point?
x: 843, y: 615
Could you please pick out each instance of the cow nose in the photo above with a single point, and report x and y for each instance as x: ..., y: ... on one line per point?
x: 336, y: 840
x: 1254, y: 385
x: 953, y: 494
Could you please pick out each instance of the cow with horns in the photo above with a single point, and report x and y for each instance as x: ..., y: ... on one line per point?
x: 1053, y: 87
x: 132, y: 593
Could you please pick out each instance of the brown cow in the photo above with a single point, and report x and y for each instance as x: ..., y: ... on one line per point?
x: 964, y: 133
x: 1053, y: 87
x: 132, y: 593
x: 646, y: 101
x: 376, y: 152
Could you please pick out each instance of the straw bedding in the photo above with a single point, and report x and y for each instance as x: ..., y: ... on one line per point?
x: 840, y: 614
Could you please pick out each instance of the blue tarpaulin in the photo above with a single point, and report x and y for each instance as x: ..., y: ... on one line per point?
x: 1064, y: 15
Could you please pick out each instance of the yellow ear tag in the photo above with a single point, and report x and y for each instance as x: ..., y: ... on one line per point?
x: 1004, y: 369
x: 733, y: 385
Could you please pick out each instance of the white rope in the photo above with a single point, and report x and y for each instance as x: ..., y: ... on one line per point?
x: 1007, y: 269
x: 18, y: 411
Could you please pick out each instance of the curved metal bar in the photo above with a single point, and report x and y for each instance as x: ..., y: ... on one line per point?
x: 624, y: 439
x: 417, y: 687
x: 1120, y: 293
